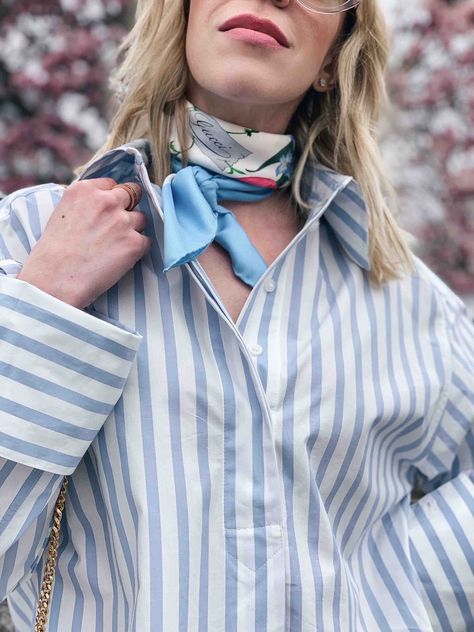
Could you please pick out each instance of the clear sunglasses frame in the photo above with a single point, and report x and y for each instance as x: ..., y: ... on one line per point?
x: 343, y: 6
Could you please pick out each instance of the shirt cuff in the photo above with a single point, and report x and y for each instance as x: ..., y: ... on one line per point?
x: 62, y: 370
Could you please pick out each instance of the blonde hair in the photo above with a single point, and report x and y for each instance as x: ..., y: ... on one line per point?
x: 336, y: 128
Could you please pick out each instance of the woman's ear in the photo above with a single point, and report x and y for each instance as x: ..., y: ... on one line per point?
x: 326, y: 79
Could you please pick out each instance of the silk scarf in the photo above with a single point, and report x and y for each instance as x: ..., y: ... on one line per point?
x: 224, y: 162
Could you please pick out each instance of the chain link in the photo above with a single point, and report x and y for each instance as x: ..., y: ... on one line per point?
x: 50, y: 565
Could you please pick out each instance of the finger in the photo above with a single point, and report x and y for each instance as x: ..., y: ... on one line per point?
x: 143, y: 245
x: 128, y: 194
x: 147, y: 243
x: 137, y: 220
x: 105, y: 184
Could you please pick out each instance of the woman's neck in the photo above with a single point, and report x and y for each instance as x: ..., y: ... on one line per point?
x: 272, y: 118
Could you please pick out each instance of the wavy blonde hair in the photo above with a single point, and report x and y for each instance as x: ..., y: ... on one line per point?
x: 336, y: 128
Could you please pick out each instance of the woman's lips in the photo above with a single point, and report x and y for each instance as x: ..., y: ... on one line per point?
x: 254, y: 30
x: 254, y: 37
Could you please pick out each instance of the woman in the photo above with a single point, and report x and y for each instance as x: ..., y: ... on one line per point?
x: 243, y: 395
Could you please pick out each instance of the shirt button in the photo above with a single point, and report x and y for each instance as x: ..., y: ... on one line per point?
x: 270, y: 285
x: 256, y: 350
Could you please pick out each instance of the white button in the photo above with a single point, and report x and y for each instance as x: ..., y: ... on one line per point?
x: 255, y: 350
x: 270, y: 285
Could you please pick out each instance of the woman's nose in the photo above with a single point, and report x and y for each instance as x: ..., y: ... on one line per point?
x: 281, y: 3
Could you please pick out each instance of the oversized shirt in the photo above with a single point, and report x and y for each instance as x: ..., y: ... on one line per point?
x: 248, y: 476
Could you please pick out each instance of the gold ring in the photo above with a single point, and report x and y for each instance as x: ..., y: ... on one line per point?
x: 134, y: 196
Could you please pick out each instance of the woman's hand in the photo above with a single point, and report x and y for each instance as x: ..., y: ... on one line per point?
x: 89, y: 243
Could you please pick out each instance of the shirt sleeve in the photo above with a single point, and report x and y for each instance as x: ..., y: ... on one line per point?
x: 441, y: 523
x: 62, y: 371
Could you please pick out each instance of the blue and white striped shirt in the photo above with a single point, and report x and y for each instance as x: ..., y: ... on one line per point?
x: 238, y: 477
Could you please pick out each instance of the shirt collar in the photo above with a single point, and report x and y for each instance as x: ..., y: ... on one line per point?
x: 346, y: 212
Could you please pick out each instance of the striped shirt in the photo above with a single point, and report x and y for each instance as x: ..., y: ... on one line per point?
x: 248, y: 476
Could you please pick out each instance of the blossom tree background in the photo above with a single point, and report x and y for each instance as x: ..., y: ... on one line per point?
x: 55, y: 59
x: 429, y: 137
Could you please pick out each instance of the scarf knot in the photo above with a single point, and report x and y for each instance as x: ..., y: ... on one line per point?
x: 220, y: 167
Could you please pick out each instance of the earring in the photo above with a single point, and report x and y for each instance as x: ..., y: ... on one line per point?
x: 322, y: 83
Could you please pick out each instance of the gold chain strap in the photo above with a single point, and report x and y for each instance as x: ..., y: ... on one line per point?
x: 50, y: 565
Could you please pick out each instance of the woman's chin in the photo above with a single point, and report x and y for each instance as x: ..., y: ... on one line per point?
x: 247, y: 91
